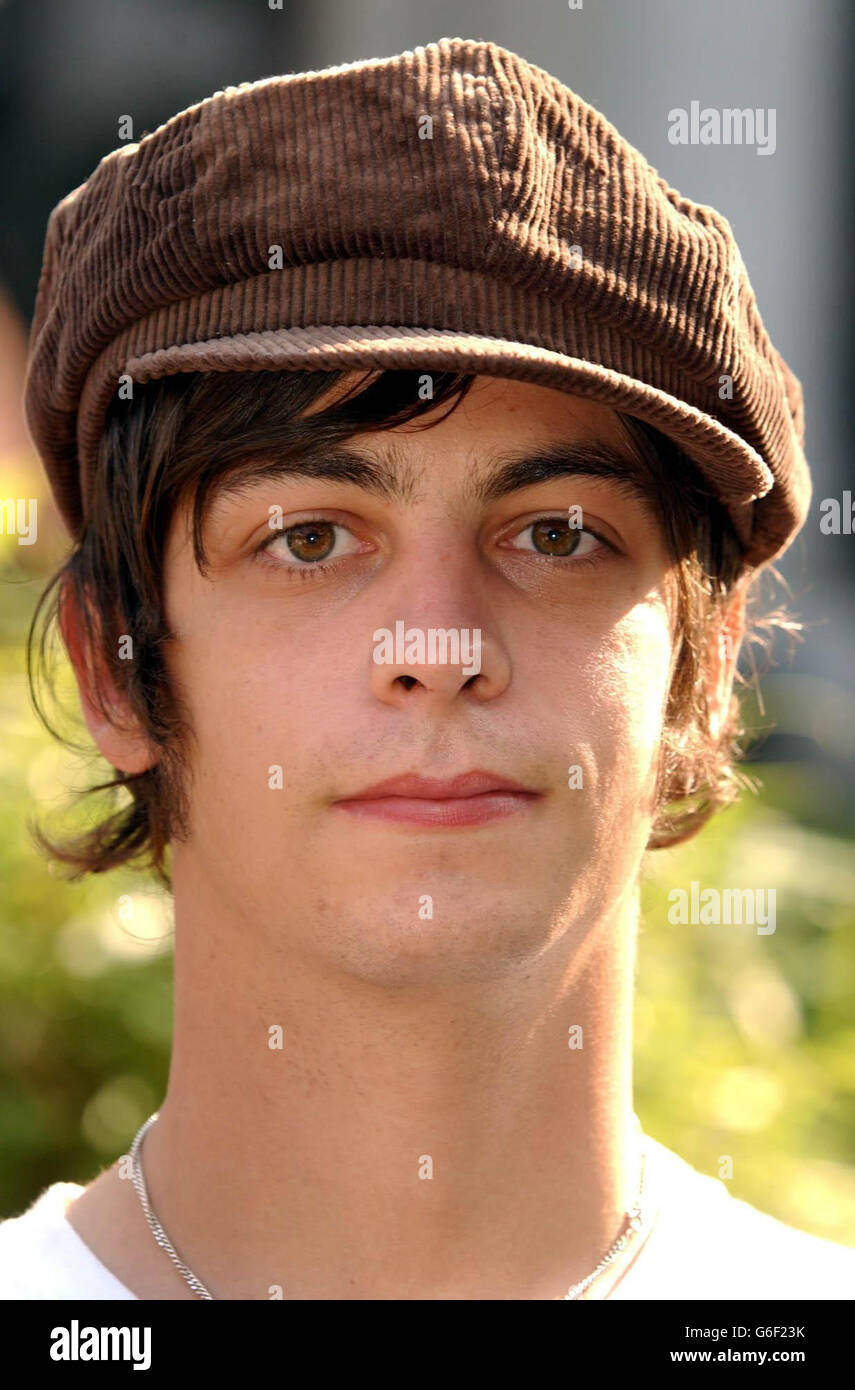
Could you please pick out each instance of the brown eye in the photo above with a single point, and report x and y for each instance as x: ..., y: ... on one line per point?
x: 555, y: 537
x: 311, y: 540
x: 308, y: 547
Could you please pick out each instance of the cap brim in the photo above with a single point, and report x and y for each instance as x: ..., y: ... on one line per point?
x: 736, y: 471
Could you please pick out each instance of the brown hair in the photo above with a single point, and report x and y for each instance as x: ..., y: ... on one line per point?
x: 181, y: 435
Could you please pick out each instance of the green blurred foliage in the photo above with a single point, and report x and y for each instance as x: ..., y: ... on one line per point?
x: 745, y: 1043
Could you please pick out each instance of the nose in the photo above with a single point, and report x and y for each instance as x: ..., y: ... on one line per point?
x: 435, y: 662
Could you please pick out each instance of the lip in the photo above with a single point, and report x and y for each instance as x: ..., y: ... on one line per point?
x: 471, y: 798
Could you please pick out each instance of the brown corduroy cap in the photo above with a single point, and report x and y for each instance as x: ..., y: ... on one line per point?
x: 449, y: 208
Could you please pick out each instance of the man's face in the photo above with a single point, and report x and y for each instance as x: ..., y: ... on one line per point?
x: 274, y: 657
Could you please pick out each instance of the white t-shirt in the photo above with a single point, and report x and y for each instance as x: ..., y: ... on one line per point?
x: 704, y: 1243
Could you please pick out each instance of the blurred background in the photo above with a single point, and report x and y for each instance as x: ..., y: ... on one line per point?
x: 745, y: 1044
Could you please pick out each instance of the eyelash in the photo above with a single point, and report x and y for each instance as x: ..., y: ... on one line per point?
x: 308, y: 569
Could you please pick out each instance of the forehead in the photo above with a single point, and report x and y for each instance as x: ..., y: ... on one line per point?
x: 495, y: 405
x: 499, y: 421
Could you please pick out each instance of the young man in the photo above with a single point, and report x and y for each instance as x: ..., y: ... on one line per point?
x: 420, y: 448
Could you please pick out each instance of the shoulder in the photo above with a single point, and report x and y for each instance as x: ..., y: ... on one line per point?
x: 706, y: 1243
x: 43, y: 1257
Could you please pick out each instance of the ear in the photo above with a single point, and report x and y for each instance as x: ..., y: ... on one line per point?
x: 119, y: 737
x: 726, y: 639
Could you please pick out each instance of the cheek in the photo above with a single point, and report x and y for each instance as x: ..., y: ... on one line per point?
x: 626, y: 683
x: 253, y: 705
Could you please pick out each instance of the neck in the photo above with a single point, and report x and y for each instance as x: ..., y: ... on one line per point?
x: 341, y: 1139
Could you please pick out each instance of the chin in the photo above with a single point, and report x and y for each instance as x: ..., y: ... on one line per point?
x: 483, y: 940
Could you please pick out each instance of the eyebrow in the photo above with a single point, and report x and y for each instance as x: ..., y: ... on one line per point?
x: 394, y: 478
x: 510, y: 472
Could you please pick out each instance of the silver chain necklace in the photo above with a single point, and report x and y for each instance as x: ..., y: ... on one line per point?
x: 635, y: 1222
